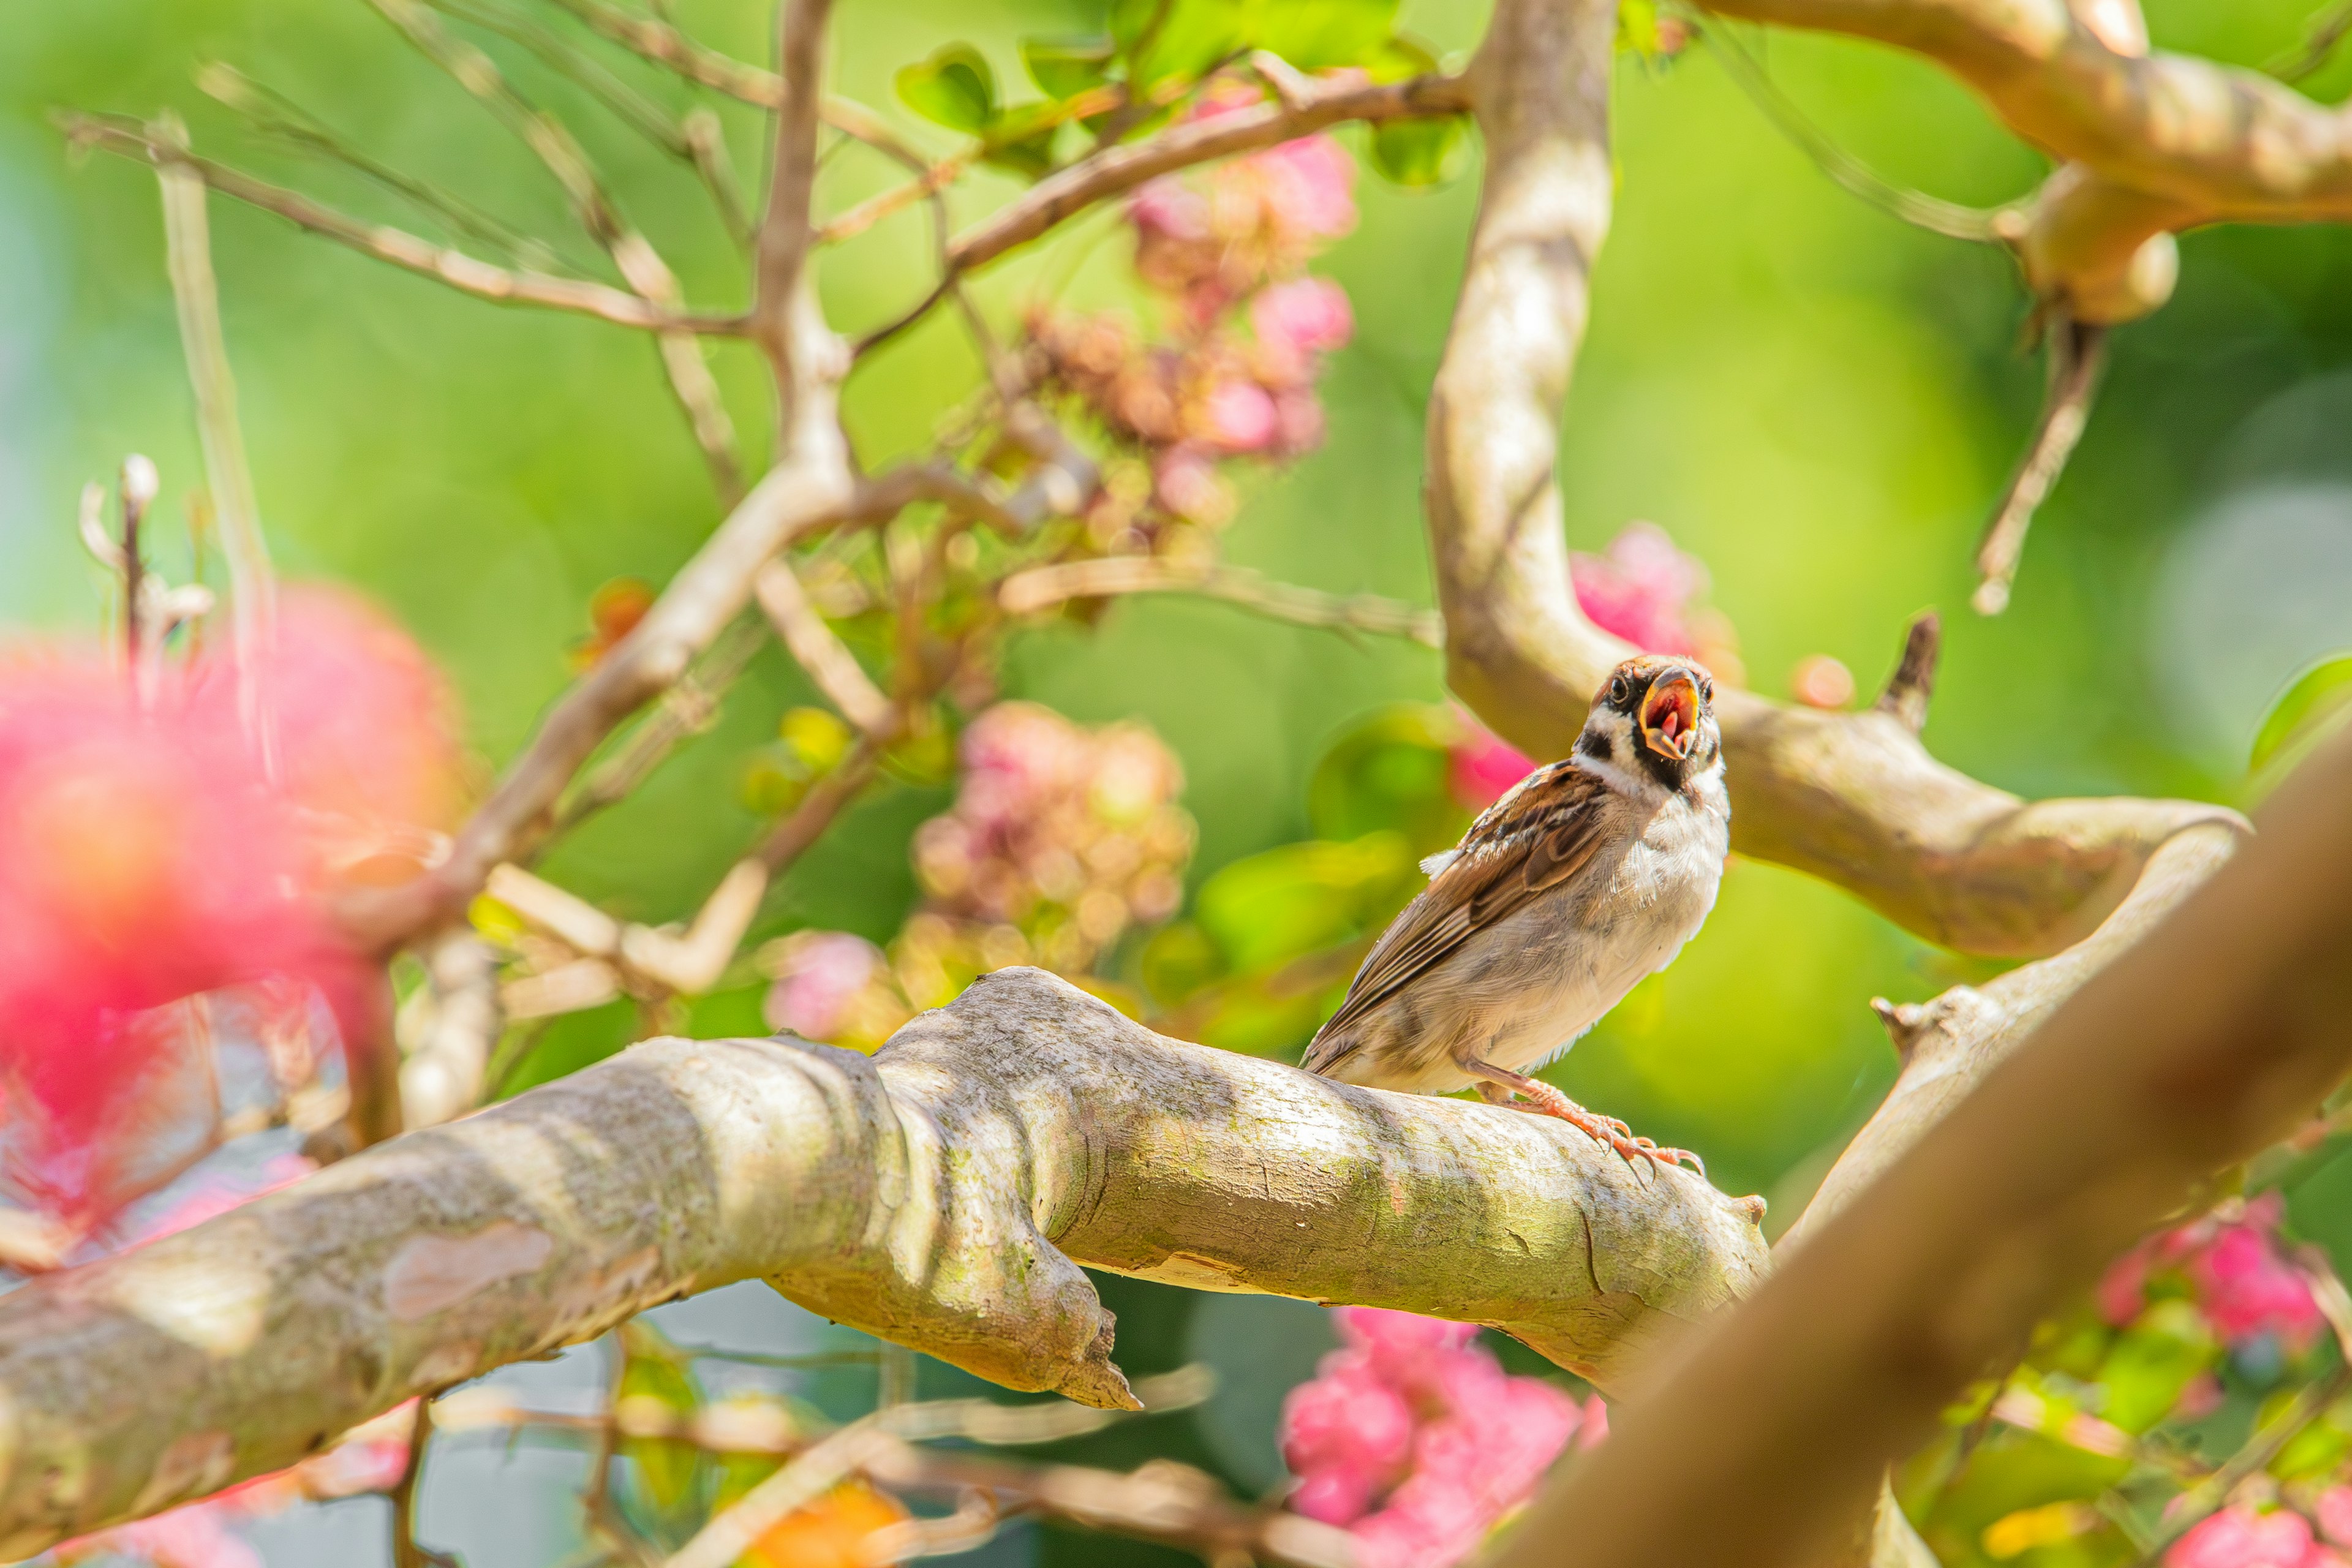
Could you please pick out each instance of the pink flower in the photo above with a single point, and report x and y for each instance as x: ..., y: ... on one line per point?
x: 2335, y: 1512
x: 146, y: 855
x: 2238, y: 1537
x: 1167, y: 207
x: 819, y: 976
x: 2248, y: 1289
x: 1239, y: 416
x: 1298, y: 320
x: 1413, y: 1436
x: 2234, y: 1269
x: 1298, y: 420
x: 1640, y: 589
x: 196, y: 1536
x: 1485, y: 767
x: 1310, y: 186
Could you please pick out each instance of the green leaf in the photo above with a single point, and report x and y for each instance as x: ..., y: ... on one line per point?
x: 2153, y: 1362
x: 1064, y: 67
x: 954, y: 87
x: 1016, y: 148
x: 1420, y: 153
x: 1317, y: 35
x: 655, y: 1373
x: 1276, y: 906
x: 1165, y: 39
x: 2313, y: 705
x: 1177, y: 961
x: 1393, y: 772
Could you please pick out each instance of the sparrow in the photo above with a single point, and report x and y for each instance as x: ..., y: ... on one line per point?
x: 1589, y: 875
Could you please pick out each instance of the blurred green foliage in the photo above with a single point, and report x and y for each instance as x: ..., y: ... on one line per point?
x: 1815, y: 400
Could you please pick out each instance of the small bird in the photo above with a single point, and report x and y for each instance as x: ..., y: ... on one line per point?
x: 1589, y: 875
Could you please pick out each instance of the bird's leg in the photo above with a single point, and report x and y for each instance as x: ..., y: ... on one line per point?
x: 1500, y: 1086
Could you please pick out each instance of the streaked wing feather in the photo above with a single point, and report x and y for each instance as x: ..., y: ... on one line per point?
x: 1533, y: 840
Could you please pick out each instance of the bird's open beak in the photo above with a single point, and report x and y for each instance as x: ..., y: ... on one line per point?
x: 1670, y: 715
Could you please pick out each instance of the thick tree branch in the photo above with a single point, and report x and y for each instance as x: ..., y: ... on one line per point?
x: 2204, y: 1042
x: 1851, y: 797
x: 943, y: 1193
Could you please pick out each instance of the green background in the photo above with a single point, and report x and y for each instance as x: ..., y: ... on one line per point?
x: 1818, y: 402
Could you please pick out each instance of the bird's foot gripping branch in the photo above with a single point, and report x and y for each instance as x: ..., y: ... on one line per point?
x: 943, y: 1193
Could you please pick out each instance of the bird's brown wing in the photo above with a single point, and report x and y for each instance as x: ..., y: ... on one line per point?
x: 1532, y: 839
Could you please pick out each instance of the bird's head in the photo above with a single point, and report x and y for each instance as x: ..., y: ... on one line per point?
x: 1654, y: 719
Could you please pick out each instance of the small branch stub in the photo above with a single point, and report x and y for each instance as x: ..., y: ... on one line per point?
x: 1913, y: 680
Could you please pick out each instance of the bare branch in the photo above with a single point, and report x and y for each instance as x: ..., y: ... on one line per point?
x: 2215, y: 1034
x: 253, y: 586
x: 464, y: 273
x: 2078, y: 351
x: 2154, y: 142
x: 833, y: 667
x: 647, y: 273
x: 442, y: 1075
x: 809, y: 490
x: 664, y: 45
x: 1042, y: 587
x: 1118, y: 169
x: 943, y: 1193
x: 784, y: 226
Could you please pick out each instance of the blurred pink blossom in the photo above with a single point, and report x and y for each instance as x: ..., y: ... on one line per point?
x: 1298, y: 320
x: 1640, y: 589
x: 2238, y: 1537
x: 1413, y: 1435
x: 1309, y: 184
x: 1239, y: 416
x: 1485, y: 766
x: 145, y: 855
x: 819, y: 976
x: 2334, y: 1510
x: 2234, y: 1269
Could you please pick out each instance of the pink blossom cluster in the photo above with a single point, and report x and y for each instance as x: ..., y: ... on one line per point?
x: 148, y: 854
x: 1640, y: 589
x: 1226, y: 253
x: 2232, y: 1265
x: 2241, y: 1536
x: 1413, y: 1438
x: 1061, y: 840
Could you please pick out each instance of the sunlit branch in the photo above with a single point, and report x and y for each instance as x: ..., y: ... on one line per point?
x: 1042, y: 587
x: 938, y: 177
x: 464, y: 273
x: 1118, y: 169
x: 664, y: 45
x: 687, y: 708
x: 2077, y: 352
x: 834, y: 668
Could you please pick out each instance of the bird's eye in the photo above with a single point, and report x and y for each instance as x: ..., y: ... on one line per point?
x: 1706, y: 689
x: 1617, y: 690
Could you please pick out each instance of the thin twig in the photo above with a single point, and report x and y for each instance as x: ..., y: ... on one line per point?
x: 686, y: 709
x: 407, y: 1552
x: 1914, y: 207
x: 592, y: 205
x: 253, y: 586
x: 677, y: 137
x: 274, y: 115
x: 1114, y: 170
x: 938, y: 177
x: 1040, y: 587
x: 2320, y: 38
x: 666, y: 46
x: 2077, y: 352
x: 467, y: 273
x: 834, y: 668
